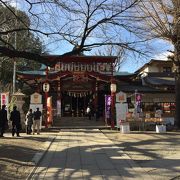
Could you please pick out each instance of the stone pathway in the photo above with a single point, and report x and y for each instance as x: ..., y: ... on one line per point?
x: 86, y: 154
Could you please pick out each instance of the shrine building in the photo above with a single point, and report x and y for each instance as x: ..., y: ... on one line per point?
x: 74, y: 82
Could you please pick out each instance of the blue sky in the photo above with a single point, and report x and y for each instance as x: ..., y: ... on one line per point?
x: 160, y: 51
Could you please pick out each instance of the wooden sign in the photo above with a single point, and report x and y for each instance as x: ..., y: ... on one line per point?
x: 36, y: 98
x: 121, y: 97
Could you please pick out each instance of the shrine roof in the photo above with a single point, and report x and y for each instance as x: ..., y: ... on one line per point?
x: 140, y: 88
x: 122, y: 73
x: 51, y: 60
x: 160, y: 81
x: 37, y: 72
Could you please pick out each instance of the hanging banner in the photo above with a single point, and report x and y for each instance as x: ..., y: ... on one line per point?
x: 5, y: 99
x: 107, y: 107
x: 49, y: 110
x: 138, y: 100
x: 59, y: 107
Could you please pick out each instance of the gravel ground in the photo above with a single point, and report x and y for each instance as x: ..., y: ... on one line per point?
x: 16, y: 154
x: 157, y: 154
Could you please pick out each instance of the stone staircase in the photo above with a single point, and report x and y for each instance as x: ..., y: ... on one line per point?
x: 78, y: 122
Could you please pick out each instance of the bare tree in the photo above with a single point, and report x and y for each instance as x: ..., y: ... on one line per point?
x: 117, y: 51
x: 161, y: 19
x: 86, y: 24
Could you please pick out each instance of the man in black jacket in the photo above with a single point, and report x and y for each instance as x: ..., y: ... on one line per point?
x: 36, y: 121
x: 16, y: 121
x: 3, y: 120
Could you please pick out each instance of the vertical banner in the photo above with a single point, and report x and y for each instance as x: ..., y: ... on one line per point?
x: 138, y: 99
x: 107, y: 107
x: 59, y: 107
x: 5, y: 99
x: 49, y: 110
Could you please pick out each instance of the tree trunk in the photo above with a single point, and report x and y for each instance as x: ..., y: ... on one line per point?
x: 176, y: 43
x: 177, y: 89
x: 177, y: 83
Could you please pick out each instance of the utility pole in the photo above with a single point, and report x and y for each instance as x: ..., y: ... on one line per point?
x: 14, y: 76
x: 15, y: 46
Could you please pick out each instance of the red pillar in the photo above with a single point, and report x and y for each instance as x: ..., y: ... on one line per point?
x: 46, y: 109
x: 46, y: 97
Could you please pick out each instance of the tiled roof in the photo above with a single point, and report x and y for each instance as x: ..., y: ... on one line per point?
x: 133, y: 88
x: 160, y: 81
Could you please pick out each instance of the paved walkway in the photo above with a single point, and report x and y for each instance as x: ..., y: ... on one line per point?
x: 86, y: 154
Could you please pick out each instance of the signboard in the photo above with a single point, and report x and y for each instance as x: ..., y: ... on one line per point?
x: 80, y: 77
x: 158, y: 113
x: 121, y: 97
x: 121, y: 112
x: 5, y: 99
x: 36, y: 98
x: 82, y: 67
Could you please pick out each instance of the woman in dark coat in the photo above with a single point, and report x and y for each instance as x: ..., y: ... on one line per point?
x: 3, y: 120
x: 16, y: 121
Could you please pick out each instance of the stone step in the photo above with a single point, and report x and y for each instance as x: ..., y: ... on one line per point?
x: 78, y: 121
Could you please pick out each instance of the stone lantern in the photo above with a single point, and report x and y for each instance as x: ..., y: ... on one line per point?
x: 18, y: 100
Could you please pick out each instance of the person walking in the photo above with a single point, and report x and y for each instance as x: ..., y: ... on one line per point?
x: 3, y: 120
x: 36, y: 121
x: 88, y: 111
x: 29, y: 121
x: 15, y: 117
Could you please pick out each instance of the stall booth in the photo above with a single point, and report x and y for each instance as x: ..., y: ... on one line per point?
x: 147, y: 105
x: 153, y: 111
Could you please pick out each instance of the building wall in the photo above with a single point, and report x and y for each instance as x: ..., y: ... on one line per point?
x: 157, y: 67
x: 154, y: 69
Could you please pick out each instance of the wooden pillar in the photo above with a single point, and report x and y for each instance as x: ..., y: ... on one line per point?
x: 46, y: 97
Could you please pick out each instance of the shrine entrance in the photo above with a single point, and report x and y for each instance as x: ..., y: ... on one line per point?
x: 74, y: 81
x: 74, y: 104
